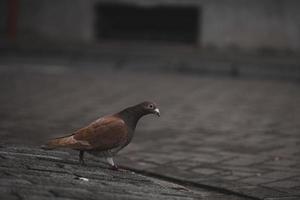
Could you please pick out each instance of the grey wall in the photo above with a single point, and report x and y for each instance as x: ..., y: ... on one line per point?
x: 67, y: 20
x: 252, y: 24
x: 246, y: 24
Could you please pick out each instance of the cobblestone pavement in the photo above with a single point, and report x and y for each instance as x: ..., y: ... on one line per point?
x: 30, y: 173
x: 238, y: 135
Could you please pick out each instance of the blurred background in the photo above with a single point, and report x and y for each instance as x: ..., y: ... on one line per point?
x: 250, y: 38
x: 65, y: 63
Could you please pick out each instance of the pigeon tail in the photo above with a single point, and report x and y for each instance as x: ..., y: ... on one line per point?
x: 59, y: 143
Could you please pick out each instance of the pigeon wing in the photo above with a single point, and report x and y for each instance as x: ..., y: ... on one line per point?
x: 104, y: 134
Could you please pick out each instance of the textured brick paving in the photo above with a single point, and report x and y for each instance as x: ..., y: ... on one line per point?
x: 30, y: 173
x: 233, y: 134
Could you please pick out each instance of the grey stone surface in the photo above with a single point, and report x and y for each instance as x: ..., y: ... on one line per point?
x: 32, y: 173
x: 239, y: 135
x: 154, y: 57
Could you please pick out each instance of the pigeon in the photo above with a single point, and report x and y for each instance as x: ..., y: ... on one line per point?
x: 107, y: 135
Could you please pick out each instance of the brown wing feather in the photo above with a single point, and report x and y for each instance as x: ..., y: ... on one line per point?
x: 103, y: 134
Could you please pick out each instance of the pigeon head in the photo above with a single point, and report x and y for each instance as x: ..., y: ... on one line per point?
x: 148, y: 107
x: 131, y: 115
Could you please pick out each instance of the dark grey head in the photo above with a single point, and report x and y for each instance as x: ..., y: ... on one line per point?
x: 132, y: 114
x: 147, y: 107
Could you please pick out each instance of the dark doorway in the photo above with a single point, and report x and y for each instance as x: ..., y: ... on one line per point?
x: 161, y: 23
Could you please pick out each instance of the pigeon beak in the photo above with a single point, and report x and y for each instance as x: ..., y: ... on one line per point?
x: 156, y: 111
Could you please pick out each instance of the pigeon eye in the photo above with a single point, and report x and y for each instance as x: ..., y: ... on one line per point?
x: 151, y: 106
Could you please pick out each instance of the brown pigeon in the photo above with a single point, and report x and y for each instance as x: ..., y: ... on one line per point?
x: 107, y: 135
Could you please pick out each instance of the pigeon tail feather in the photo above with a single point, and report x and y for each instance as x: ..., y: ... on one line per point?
x: 59, y: 142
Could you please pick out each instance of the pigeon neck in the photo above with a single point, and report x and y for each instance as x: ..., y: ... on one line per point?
x: 131, y: 116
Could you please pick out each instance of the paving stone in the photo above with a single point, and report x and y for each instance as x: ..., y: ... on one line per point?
x: 246, y: 160
x: 205, y: 171
x: 283, y: 198
x: 284, y: 184
x: 280, y: 175
x: 255, y: 180
x: 261, y: 192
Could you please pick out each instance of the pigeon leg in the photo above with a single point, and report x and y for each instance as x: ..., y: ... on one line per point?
x: 81, y: 154
x: 112, y: 164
